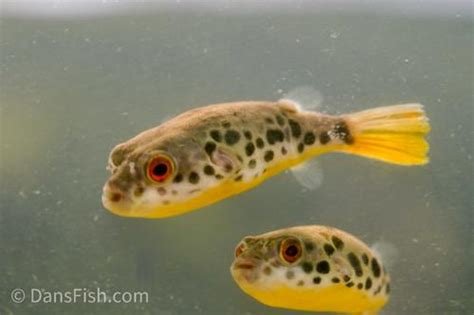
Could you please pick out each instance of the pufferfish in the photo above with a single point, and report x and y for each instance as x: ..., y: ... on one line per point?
x: 312, y: 268
x: 211, y: 153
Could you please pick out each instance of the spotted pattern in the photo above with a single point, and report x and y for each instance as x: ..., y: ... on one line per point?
x: 323, y: 267
x: 309, y: 138
x: 324, y: 137
x: 329, y: 249
x: 295, y: 128
x: 249, y: 149
x: 210, y: 147
x: 209, y: 170
x: 193, y: 178
x: 338, y: 243
x: 268, y: 156
x: 248, y: 135
x: 178, y: 178
x: 355, y: 263
x: 307, y: 267
x: 231, y: 137
x: 274, y: 136
x: 375, y: 267
x: 216, y: 135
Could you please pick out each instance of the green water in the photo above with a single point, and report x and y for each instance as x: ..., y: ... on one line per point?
x: 72, y: 89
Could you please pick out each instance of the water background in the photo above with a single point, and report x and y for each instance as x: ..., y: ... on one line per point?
x: 71, y: 89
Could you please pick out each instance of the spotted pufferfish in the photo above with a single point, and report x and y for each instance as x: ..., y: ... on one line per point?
x: 211, y: 153
x: 312, y: 268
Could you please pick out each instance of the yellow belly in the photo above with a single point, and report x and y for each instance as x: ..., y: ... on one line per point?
x: 334, y: 298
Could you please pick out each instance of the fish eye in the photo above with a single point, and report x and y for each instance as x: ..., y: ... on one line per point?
x: 160, y: 168
x: 290, y: 250
x: 239, y: 249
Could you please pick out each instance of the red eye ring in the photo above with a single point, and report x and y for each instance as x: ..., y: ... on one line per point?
x: 160, y: 168
x: 290, y: 250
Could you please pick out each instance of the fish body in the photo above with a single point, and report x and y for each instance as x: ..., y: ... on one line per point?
x: 211, y: 153
x: 312, y: 268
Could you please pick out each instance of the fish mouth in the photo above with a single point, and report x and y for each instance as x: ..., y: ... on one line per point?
x: 245, y: 270
x: 244, y: 266
x: 116, y: 202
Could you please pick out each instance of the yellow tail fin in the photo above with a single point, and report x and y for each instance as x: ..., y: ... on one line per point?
x: 394, y: 134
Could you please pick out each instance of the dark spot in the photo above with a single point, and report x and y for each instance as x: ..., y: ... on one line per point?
x: 342, y: 132
x: 178, y: 178
x: 350, y: 284
x: 368, y: 283
x: 295, y: 128
x: 252, y: 163
x: 338, y: 243
x: 174, y: 192
x: 323, y: 267
x: 365, y: 259
x: 161, y: 191
x: 309, y: 138
x: 216, y: 135
x: 300, y: 283
x: 259, y: 142
x: 166, y: 202
x: 267, y: 270
x: 324, y: 137
x: 300, y: 147
x: 268, y: 120
x: 249, y: 149
x: 248, y: 135
x: 226, y: 124
x: 355, y: 263
x: 268, y: 156
x: 209, y: 170
x: 360, y: 286
x: 307, y: 267
x: 274, y: 136
x: 329, y: 249
x: 309, y: 246
x: 116, y: 197
x: 232, y: 137
x: 227, y: 167
x: 375, y: 267
x: 238, y: 178
x: 347, y: 278
x: 290, y: 274
x: 280, y: 120
x: 283, y: 151
x: 219, y: 176
x: 335, y: 280
x: 138, y: 191
x: 317, y: 280
x: 387, y: 288
x: 378, y: 290
x: 210, y: 147
x: 193, y: 178
x: 239, y: 157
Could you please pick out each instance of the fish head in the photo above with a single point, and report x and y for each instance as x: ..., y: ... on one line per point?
x: 269, y: 261
x: 156, y: 177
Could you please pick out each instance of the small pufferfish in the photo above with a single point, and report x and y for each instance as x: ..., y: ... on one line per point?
x: 211, y: 153
x: 312, y: 268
